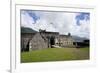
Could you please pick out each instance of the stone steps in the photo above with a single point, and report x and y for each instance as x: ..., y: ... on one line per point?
x: 55, y: 46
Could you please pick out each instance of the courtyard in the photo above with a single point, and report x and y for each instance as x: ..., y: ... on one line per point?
x: 55, y: 54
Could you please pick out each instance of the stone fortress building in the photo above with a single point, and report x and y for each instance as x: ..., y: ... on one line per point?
x: 33, y: 40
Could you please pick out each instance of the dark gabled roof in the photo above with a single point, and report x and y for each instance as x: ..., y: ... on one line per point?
x: 64, y: 35
x: 52, y: 32
x: 27, y: 30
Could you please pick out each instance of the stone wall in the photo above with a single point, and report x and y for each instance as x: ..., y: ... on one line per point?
x: 25, y: 39
x: 38, y: 42
x: 43, y: 40
x: 66, y: 41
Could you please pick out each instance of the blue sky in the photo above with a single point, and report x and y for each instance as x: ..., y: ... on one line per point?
x: 62, y: 22
x: 33, y: 16
x: 82, y: 16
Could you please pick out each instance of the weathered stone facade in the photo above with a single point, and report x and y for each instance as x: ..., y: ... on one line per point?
x: 38, y: 42
x: 25, y: 40
x: 66, y: 41
x: 44, y: 39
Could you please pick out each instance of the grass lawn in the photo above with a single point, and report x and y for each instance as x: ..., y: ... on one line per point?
x: 55, y: 54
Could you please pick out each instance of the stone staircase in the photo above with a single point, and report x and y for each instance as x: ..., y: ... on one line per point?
x: 55, y: 46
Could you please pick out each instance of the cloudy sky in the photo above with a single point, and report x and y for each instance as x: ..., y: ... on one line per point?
x: 76, y: 23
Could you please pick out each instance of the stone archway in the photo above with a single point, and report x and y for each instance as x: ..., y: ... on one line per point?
x: 52, y: 41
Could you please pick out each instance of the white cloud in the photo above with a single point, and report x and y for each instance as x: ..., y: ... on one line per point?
x: 26, y: 20
x: 57, y: 22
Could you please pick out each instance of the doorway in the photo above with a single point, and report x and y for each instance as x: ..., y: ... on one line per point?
x: 52, y: 41
x: 27, y: 47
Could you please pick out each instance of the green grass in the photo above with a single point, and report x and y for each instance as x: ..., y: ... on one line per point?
x: 55, y: 54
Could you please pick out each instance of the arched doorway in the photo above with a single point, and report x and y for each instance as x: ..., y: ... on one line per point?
x: 27, y: 47
x: 52, y: 41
